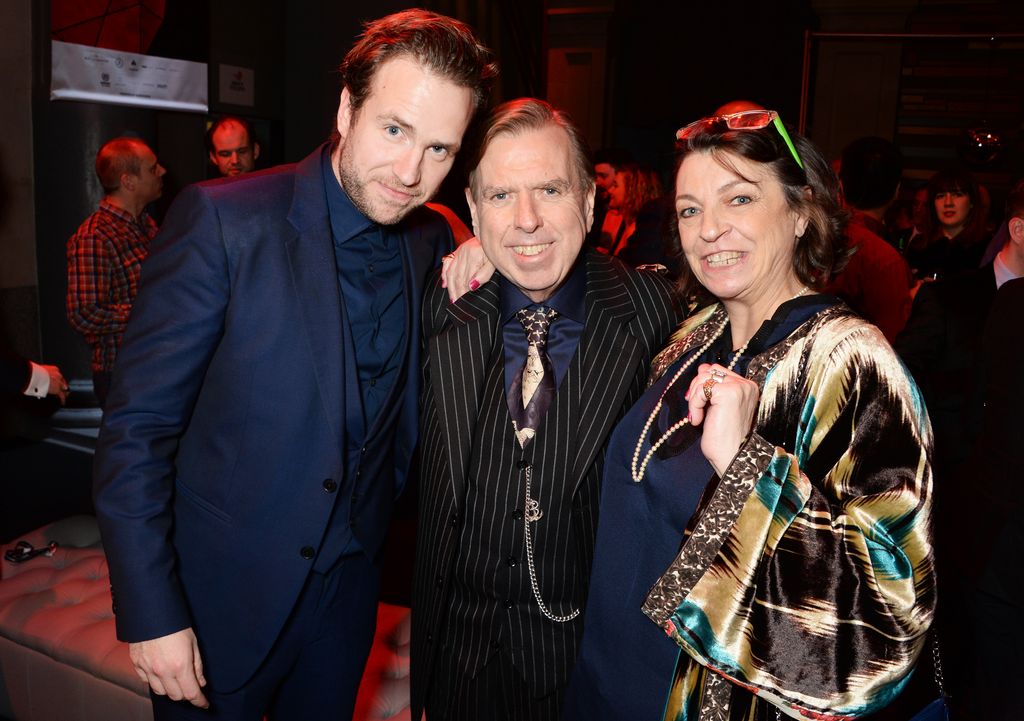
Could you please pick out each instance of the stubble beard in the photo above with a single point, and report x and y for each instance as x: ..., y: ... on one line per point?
x: 355, y: 187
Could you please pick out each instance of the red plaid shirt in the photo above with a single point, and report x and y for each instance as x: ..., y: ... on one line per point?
x: 104, y: 263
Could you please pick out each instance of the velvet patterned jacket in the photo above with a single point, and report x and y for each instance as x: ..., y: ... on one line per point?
x: 805, y: 581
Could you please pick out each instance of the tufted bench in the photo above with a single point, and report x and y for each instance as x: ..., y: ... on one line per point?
x: 60, y: 659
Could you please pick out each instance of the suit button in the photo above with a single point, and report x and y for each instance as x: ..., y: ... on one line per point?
x: 511, y: 561
x: 454, y: 520
x: 359, y: 472
x: 517, y: 514
x: 509, y: 603
x: 330, y: 486
x: 440, y: 581
x: 363, y: 450
x: 307, y: 552
x: 430, y: 638
x: 523, y: 465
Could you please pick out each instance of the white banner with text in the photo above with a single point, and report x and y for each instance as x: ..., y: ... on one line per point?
x: 82, y: 72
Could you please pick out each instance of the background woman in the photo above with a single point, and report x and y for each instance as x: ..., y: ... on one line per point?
x: 633, y: 187
x: 784, y: 436
x: 954, y: 234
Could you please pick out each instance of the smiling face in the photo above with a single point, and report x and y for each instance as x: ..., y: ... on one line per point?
x: 952, y: 208
x: 737, y: 231
x: 529, y: 209
x: 398, y: 147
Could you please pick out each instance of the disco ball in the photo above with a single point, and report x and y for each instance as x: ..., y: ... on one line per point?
x: 981, y: 145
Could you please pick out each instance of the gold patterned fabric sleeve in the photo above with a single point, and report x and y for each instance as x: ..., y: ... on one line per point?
x: 807, y: 578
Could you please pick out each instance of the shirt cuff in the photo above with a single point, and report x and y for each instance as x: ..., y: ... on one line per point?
x: 39, y: 383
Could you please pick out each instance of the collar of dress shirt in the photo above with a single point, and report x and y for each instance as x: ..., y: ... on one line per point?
x: 1001, y: 271
x: 346, y: 220
x: 569, y: 300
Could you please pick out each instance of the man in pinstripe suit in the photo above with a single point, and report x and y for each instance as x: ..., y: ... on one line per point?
x: 507, y: 527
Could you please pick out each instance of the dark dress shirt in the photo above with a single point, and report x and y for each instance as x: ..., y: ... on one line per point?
x: 369, y: 266
x: 566, y: 330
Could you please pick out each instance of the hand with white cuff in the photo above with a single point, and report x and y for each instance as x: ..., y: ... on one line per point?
x: 47, y: 381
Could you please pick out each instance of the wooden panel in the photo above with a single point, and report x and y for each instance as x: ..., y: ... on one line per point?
x: 856, y: 92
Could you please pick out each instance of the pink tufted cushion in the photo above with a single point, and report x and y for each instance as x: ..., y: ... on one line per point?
x: 60, y: 606
x: 56, y: 614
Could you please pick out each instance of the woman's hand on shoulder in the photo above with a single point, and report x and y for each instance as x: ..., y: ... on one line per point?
x: 465, y: 269
x: 725, y: 403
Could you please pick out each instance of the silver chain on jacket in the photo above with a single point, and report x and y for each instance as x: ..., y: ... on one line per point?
x: 532, y: 512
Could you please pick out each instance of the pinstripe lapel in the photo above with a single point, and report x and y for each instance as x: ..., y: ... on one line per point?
x: 610, y: 353
x: 458, y: 366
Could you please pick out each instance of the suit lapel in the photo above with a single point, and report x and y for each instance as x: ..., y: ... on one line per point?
x: 458, y: 366
x: 609, y: 354
x: 314, y: 276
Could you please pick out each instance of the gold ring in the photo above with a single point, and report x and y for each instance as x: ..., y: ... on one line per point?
x: 709, y: 386
x: 715, y: 373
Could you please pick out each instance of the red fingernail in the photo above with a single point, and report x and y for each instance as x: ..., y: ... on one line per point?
x: 474, y: 284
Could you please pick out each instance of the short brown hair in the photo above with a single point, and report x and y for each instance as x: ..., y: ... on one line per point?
x: 525, y: 114
x: 116, y: 157
x: 442, y: 44
x: 822, y: 249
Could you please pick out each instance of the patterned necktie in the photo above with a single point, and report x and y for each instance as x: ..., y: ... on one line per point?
x: 534, y: 386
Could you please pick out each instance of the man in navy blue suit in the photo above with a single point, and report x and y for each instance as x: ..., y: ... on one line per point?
x: 263, y: 412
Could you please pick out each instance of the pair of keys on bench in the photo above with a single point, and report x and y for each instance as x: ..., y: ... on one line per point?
x: 23, y: 551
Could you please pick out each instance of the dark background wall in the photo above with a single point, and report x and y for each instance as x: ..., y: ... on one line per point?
x: 630, y: 73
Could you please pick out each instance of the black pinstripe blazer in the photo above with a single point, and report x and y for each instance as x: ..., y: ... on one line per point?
x: 629, y: 315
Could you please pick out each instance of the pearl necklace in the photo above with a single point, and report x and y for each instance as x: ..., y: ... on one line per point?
x: 637, y: 468
x: 638, y: 472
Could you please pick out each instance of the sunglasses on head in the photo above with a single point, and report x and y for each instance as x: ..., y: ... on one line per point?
x: 746, y: 120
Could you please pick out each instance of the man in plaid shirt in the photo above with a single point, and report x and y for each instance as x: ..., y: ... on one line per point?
x: 106, y: 252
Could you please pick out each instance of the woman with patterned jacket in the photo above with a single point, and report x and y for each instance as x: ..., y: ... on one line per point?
x: 763, y: 547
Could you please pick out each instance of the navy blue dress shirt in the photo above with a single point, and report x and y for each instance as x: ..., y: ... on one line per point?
x: 370, y: 279
x: 566, y: 330
x: 370, y: 276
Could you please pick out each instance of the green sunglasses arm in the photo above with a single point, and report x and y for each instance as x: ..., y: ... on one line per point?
x: 789, y: 142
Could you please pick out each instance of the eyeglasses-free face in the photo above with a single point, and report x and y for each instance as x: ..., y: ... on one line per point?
x: 746, y: 120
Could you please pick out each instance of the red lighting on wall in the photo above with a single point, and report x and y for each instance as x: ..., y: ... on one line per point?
x: 127, y: 25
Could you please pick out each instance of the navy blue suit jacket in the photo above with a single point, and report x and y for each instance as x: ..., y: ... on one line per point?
x: 226, y: 416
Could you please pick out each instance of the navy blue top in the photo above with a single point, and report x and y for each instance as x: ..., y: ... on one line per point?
x: 565, y: 332
x: 370, y: 276
x: 370, y: 279
x: 626, y: 662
